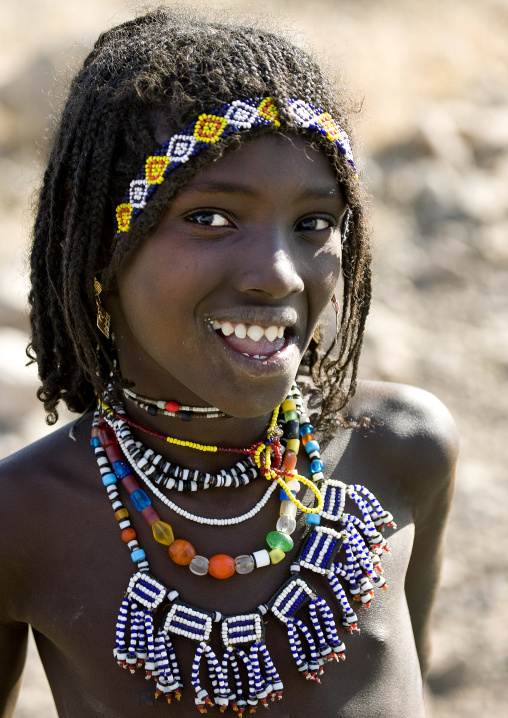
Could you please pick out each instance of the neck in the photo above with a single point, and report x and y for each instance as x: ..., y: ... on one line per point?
x: 230, y: 432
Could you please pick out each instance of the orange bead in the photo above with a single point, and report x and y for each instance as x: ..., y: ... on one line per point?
x: 307, y: 437
x: 221, y: 566
x: 128, y: 535
x: 182, y: 552
x: 121, y: 514
x: 290, y: 460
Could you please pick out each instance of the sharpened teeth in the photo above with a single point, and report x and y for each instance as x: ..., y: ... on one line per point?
x: 227, y: 328
x: 253, y: 331
x: 271, y: 334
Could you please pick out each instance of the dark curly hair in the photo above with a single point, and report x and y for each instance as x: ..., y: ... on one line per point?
x: 162, y: 70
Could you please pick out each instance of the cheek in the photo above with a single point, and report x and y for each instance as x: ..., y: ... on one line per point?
x: 325, y: 271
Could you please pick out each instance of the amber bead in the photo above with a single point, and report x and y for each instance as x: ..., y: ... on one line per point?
x: 163, y: 533
x: 307, y: 437
x: 290, y: 459
x: 121, y: 514
x: 221, y: 566
x: 182, y: 552
x: 128, y: 535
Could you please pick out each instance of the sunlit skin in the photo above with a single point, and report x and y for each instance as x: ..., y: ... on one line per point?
x: 261, y: 247
x: 255, y: 238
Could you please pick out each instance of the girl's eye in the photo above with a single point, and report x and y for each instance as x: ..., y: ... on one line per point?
x: 313, y: 224
x: 209, y: 219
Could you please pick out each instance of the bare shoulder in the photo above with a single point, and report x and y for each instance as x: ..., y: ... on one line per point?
x: 413, y: 435
x: 39, y: 485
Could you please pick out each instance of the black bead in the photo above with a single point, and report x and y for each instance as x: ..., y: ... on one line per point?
x: 292, y: 429
x: 152, y: 409
x: 186, y: 415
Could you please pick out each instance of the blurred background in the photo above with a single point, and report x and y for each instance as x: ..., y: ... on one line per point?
x: 434, y: 81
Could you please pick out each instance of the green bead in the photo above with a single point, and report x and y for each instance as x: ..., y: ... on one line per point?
x: 280, y: 540
x: 290, y: 415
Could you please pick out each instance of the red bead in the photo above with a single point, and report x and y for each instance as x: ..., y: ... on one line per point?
x: 128, y: 535
x: 107, y: 436
x: 290, y: 459
x: 150, y: 515
x: 130, y: 483
x: 182, y: 552
x: 172, y: 406
x: 113, y: 453
x: 221, y: 566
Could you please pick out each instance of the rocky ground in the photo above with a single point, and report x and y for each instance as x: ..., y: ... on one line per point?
x: 435, y: 130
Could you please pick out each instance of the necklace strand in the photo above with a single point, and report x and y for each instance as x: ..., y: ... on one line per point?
x: 138, y: 644
x: 156, y: 407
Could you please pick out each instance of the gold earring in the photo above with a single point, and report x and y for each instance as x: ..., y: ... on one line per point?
x: 316, y: 334
x: 103, y: 318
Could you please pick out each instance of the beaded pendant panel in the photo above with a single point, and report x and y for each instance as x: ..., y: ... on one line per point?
x: 319, y: 550
x: 291, y: 597
x: 146, y: 590
x: 242, y: 629
x: 182, y: 619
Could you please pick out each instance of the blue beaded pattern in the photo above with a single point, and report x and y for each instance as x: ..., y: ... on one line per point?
x: 183, y: 619
x: 146, y: 589
x: 319, y: 550
x: 241, y: 629
x: 291, y: 596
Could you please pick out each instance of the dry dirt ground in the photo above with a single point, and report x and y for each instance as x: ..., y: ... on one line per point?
x: 434, y: 77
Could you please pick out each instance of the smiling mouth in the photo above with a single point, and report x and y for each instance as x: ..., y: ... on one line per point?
x: 253, y: 340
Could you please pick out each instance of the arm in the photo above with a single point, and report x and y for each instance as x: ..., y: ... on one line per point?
x: 432, y: 480
x: 13, y: 643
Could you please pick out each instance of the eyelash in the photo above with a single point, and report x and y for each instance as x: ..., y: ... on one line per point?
x: 195, y: 219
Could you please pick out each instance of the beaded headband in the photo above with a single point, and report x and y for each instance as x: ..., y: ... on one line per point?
x: 211, y: 127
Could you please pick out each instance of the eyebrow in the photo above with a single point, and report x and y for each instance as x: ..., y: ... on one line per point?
x: 212, y: 187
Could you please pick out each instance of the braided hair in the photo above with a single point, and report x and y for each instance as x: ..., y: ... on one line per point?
x: 162, y: 70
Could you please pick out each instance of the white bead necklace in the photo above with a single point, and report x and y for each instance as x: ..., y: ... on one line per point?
x: 117, y: 425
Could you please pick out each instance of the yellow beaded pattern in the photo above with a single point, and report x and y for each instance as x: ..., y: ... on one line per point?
x: 273, y: 475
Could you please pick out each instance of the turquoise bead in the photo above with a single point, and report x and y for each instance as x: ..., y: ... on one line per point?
x: 95, y: 442
x: 314, y: 519
x: 109, y: 479
x: 316, y: 466
x: 280, y: 540
x: 138, y: 555
x: 140, y: 500
x: 311, y: 446
x: 306, y: 429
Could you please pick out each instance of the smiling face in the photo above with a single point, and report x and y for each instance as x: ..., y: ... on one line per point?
x: 218, y: 305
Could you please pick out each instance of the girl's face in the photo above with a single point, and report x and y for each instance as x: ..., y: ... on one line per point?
x: 218, y: 305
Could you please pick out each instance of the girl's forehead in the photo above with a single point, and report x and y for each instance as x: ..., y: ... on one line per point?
x: 283, y: 158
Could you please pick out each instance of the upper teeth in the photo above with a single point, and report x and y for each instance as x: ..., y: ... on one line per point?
x: 253, y: 331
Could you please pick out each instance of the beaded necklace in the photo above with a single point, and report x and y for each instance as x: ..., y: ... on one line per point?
x: 156, y: 407
x: 349, y: 554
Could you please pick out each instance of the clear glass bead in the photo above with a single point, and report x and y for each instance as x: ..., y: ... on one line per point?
x: 199, y: 565
x: 287, y: 524
x: 244, y: 564
x: 288, y: 508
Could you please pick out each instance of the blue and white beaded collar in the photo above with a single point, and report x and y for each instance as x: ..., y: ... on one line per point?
x: 237, y: 116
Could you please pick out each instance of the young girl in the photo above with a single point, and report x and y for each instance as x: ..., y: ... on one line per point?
x: 221, y: 537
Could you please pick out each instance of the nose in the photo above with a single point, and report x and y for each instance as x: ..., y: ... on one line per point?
x: 269, y: 265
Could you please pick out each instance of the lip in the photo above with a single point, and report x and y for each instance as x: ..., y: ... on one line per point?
x: 274, y: 363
